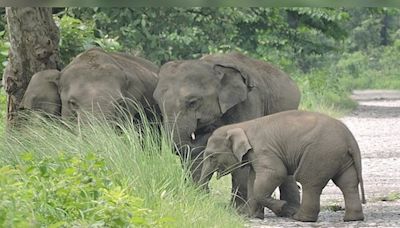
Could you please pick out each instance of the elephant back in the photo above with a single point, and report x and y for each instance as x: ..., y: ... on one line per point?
x: 136, y: 59
x: 139, y: 69
x: 279, y: 91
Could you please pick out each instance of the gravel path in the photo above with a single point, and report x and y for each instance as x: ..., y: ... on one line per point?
x: 376, y: 126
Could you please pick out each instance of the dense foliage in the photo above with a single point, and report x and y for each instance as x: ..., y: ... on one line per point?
x: 163, y: 34
x: 296, y: 38
x: 67, y: 191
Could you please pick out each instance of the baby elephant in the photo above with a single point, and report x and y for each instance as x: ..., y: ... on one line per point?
x: 313, y: 147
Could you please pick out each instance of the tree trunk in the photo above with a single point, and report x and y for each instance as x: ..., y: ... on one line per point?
x: 34, y: 41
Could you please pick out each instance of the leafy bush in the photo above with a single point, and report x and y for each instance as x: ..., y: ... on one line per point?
x: 76, y: 36
x: 323, y: 92
x: 352, y: 64
x: 4, y: 46
x: 376, y: 68
x: 66, y: 190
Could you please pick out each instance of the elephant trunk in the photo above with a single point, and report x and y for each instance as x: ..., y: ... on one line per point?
x: 189, y: 145
x: 191, y: 150
x: 181, y: 129
x: 207, y: 172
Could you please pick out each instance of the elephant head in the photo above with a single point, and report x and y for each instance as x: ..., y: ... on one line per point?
x: 224, y: 153
x: 193, y: 95
x: 42, y: 93
x: 102, y: 83
x: 95, y: 82
x: 95, y: 90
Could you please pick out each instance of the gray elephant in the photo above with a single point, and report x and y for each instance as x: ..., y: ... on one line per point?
x: 313, y: 147
x: 95, y: 81
x: 42, y: 93
x: 197, y: 96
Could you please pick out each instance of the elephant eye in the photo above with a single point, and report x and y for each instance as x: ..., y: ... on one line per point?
x: 73, y: 105
x: 193, y: 102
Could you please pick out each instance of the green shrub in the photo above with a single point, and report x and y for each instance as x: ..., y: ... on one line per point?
x: 75, y: 36
x: 324, y: 93
x: 376, y: 68
x: 352, y: 64
x: 66, y: 190
x: 90, y: 175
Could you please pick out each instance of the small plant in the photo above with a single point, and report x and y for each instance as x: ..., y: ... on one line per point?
x: 393, y: 196
x: 334, y: 207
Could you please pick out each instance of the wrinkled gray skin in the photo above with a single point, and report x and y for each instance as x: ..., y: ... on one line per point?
x: 197, y: 96
x: 313, y: 147
x: 96, y: 82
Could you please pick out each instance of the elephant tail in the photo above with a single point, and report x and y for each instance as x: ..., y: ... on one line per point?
x: 354, y: 150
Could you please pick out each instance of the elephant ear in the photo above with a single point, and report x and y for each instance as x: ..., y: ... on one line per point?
x: 42, y: 93
x: 234, y: 85
x: 239, y: 142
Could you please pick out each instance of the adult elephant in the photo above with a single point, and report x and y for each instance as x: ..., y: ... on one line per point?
x: 198, y: 96
x: 95, y: 81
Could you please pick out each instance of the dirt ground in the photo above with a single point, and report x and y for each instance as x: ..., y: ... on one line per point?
x: 376, y: 126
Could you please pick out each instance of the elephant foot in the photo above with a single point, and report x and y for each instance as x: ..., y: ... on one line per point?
x: 348, y: 217
x: 259, y: 213
x: 278, y: 207
x: 304, y: 218
x: 287, y: 211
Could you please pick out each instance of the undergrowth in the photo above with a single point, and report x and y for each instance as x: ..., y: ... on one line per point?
x: 63, y: 175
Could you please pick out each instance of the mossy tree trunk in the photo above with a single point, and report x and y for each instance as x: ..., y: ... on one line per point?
x: 34, y: 39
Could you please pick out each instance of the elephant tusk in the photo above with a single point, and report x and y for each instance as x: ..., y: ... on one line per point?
x: 193, y: 136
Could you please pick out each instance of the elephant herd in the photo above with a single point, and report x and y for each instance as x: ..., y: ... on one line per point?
x: 227, y: 113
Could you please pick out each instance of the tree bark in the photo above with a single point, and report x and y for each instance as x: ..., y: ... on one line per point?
x: 34, y: 39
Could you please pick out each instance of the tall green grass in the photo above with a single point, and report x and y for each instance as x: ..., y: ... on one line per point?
x: 322, y: 93
x: 138, y: 179
x: 3, y: 106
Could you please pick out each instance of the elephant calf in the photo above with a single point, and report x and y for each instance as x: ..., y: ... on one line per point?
x: 313, y: 147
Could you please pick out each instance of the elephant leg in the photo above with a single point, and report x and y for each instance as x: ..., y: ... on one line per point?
x: 348, y: 184
x: 289, y: 191
x: 264, y: 185
x: 258, y: 209
x: 310, y: 204
x: 239, y: 186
